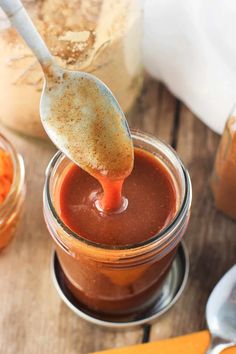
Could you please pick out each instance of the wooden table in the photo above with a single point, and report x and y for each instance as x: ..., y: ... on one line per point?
x: 33, y: 320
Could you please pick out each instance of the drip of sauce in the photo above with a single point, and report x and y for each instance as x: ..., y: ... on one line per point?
x: 84, y: 120
x: 151, y: 195
x: 111, y: 199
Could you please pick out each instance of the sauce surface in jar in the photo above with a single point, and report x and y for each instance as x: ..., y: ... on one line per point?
x: 149, y: 203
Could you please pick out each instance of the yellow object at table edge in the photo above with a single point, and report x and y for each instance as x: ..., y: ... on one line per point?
x: 194, y: 343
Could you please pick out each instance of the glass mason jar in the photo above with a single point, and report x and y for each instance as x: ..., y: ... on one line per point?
x: 10, y: 209
x: 101, y: 37
x: 118, y: 280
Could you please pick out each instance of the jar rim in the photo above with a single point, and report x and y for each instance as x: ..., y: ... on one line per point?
x: 160, y: 236
x: 18, y: 172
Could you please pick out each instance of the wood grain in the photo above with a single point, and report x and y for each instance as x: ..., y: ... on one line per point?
x: 154, y: 112
x: 210, y: 236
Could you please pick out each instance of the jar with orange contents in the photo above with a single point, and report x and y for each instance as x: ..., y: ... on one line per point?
x: 12, y: 190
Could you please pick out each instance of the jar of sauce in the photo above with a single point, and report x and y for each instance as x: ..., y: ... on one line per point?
x: 101, y: 37
x: 11, y: 204
x: 223, y: 180
x: 116, y: 265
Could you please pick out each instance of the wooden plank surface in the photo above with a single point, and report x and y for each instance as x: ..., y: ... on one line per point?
x: 34, y: 320
x: 210, y: 238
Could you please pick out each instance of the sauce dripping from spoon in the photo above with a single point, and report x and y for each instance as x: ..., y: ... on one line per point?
x: 80, y: 115
x: 90, y: 128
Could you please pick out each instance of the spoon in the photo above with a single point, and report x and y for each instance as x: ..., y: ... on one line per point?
x: 221, y: 313
x: 78, y: 111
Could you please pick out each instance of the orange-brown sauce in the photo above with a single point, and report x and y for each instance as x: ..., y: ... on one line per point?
x: 151, y: 197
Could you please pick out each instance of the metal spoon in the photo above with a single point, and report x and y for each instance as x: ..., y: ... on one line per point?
x: 221, y: 313
x: 78, y: 111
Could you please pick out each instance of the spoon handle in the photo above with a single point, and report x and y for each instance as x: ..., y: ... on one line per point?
x: 218, y: 345
x: 20, y: 19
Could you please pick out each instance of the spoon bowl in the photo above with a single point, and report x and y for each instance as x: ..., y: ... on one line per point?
x: 84, y: 120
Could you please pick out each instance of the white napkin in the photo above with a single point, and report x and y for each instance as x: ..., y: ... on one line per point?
x: 191, y: 47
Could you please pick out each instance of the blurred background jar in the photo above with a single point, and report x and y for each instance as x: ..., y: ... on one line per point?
x: 102, y: 37
x: 11, y: 163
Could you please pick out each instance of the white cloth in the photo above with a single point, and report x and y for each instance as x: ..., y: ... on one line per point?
x: 191, y: 47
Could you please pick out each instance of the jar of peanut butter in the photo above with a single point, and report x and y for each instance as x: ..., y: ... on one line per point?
x: 101, y: 37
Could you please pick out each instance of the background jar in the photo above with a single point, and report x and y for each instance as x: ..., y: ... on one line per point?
x: 11, y: 208
x: 102, y: 37
x: 118, y: 280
